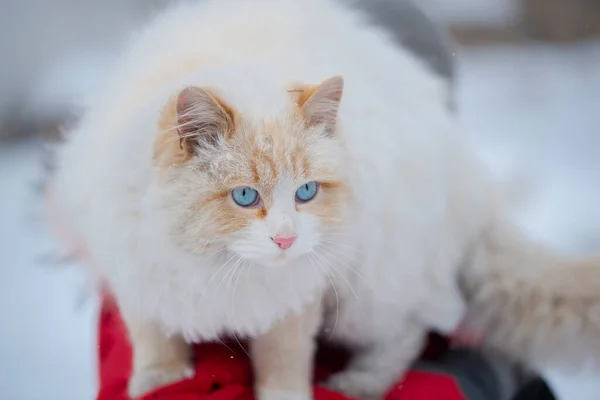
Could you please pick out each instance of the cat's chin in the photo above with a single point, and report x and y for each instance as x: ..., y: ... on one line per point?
x: 270, y: 259
x: 279, y: 261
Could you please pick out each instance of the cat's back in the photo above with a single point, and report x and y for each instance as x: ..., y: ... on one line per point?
x: 306, y: 41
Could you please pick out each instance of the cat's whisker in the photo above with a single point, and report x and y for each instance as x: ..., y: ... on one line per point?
x: 209, y: 257
x: 229, y: 272
x: 217, y: 272
x: 335, y: 269
x: 231, y: 280
x: 350, y: 287
x: 232, y: 305
x: 237, y: 260
x: 323, y: 269
x: 338, y: 257
x: 216, y: 253
x: 336, y: 244
x: 339, y: 231
x: 341, y: 236
x: 240, y: 265
x: 235, y: 337
x: 225, y: 344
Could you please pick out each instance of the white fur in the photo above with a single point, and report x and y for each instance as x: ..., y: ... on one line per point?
x: 421, y: 198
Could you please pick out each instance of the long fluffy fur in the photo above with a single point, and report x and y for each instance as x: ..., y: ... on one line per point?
x: 402, y: 207
x: 534, y: 305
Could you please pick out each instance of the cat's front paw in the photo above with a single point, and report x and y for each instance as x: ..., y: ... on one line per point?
x: 359, y: 384
x: 148, y: 379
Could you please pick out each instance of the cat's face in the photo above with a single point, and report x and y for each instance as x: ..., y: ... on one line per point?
x: 268, y: 191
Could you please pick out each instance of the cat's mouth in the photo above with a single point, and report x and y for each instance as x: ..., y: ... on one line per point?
x: 278, y: 261
x: 271, y: 258
x: 282, y: 258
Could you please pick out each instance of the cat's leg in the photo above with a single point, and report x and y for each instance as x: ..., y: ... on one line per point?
x: 283, y: 357
x: 374, y: 369
x: 158, y: 360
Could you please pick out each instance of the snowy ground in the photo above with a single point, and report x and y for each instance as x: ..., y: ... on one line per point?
x: 537, y: 105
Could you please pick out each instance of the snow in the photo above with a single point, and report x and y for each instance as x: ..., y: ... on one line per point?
x: 47, y: 336
x: 534, y: 107
x: 537, y: 107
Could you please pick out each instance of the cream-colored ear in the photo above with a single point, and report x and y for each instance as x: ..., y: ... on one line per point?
x: 320, y: 104
x: 202, y: 119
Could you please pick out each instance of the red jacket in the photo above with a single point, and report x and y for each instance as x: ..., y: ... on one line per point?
x: 224, y: 374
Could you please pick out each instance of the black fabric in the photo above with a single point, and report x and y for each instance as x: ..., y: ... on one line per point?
x: 535, y: 390
x: 412, y: 28
x: 476, y: 377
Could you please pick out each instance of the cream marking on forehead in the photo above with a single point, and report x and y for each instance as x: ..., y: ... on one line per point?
x: 284, y: 184
x: 284, y: 195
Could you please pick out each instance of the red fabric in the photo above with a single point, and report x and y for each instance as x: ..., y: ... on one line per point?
x: 225, y: 374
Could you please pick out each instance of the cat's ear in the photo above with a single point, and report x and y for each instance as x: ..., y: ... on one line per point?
x: 320, y: 104
x: 192, y: 120
x: 202, y: 119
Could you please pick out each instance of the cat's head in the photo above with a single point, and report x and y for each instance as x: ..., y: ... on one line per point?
x: 267, y: 189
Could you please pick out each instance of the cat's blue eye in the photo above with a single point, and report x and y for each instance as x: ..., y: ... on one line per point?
x: 307, y: 192
x: 245, y: 196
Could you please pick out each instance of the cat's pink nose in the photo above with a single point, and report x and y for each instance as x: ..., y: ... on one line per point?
x: 284, y: 242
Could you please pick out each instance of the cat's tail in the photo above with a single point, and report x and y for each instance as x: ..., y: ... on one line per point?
x: 535, y: 306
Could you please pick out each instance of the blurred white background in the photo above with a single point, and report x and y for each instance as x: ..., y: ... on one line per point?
x: 531, y: 109
x: 475, y: 12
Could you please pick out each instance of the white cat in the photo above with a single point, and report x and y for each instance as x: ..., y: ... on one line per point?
x: 249, y: 159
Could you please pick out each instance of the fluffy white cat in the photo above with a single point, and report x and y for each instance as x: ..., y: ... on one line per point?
x: 278, y: 168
